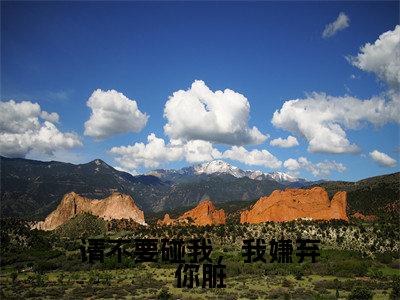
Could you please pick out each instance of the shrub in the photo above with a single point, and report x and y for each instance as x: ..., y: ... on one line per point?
x: 43, y: 266
x: 60, y: 278
x: 164, y: 294
x: 298, y: 274
x: 82, y: 226
x: 287, y: 283
x: 106, y: 277
x: 14, y: 276
x: 395, y: 294
x: 376, y: 273
x: 94, y: 277
x: 350, y: 268
x: 385, y: 258
x: 37, y: 280
x: 360, y: 293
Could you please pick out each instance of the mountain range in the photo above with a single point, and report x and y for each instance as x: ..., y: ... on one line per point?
x: 221, y: 167
x: 32, y: 189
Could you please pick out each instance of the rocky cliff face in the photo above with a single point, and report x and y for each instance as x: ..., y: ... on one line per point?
x: 116, y: 206
x: 293, y: 204
x: 203, y: 214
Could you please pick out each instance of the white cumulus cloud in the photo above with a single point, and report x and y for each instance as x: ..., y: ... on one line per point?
x: 217, y: 117
x: 290, y: 141
x: 156, y: 153
x: 199, y: 151
x: 322, y: 119
x: 382, y: 57
x: 321, y: 169
x: 132, y: 172
x: 51, y: 117
x: 291, y: 164
x: 150, y: 155
x: 113, y: 113
x: 253, y: 157
x: 25, y: 128
x: 341, y: 22
x: 382, y: 159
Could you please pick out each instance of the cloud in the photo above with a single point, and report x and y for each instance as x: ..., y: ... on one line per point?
x: 382, y: 159
x: 199, y: 151
x: 321, y: 169
x: 113, y: 113
x: 64, y: 155
x: 253, y: 157
x: 150, y: 155
x: 51, y: 117
x: 19, y: 117
x: 25, y: 128
x: 132, y: 172
x: 58, y: 95
x: 218, y: 117
x: 291, y: 164
x: 382, y: 57
x: 321, y: 119
x: 339, y: 24
x: 156, y: 153
x: 290, y: 141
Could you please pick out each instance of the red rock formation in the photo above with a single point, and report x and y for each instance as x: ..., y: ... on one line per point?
x: 166, y: 221
x: 293, y: 204
x: 203, y: 214
x: 368, y: 218
x: 116, y: 206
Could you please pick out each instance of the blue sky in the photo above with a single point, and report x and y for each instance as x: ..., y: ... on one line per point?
x: 58, y: 54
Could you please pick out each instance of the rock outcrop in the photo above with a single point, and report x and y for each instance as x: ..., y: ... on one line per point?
x: 116, y: 206
x: 368, y: 218
x: 203, y: 214
x: 166, y: 221
x: 293, y: 204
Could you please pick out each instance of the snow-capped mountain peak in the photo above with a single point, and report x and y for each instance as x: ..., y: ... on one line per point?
x: 280, y: 176
x: 218, y: 166
x: 221, y: 167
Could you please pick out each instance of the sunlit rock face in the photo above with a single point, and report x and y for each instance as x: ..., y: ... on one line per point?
x: 116, y: 206
x: 166, y: 221
x: 292, y: 204
x: 203, y: 214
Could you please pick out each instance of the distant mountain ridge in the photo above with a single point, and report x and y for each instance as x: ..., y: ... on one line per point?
x: 221, y: 167
x: 32, y: 189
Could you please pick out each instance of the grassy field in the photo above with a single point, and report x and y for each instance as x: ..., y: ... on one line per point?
x: 47, y: 265
x: 150, y: 281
